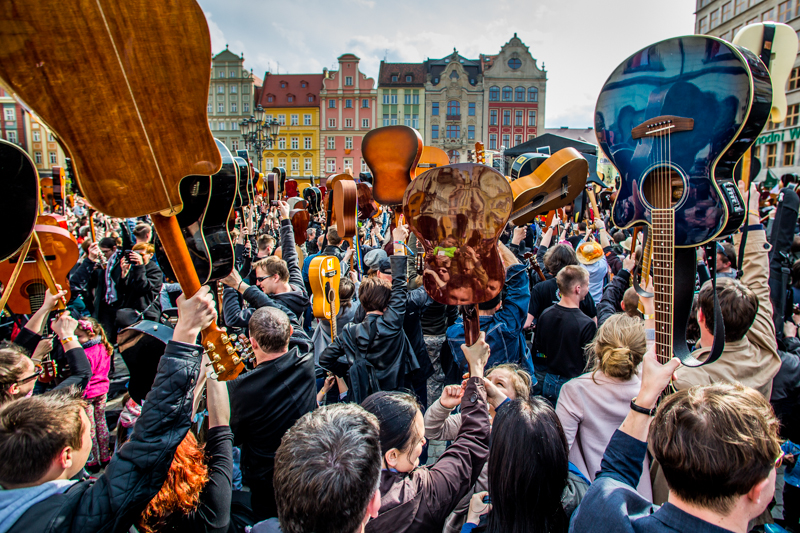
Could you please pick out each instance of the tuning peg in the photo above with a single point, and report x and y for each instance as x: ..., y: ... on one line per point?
x: 210, y: 346
x: 236, y: 360
x: 219, y: 368
x: 224, y: 338
x: 215, y: 359
x: 230, y: 349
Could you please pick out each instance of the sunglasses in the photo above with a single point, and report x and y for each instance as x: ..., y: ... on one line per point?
x: 259, y: 279
x: 36, y: 373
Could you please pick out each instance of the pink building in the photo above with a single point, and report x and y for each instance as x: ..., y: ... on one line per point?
x: 348, y: 110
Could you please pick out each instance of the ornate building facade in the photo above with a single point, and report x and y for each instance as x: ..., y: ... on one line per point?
x: 514, y: 96
x: 293, y: 100
x: 401, y: 95
x: 230, y: 97
x: 453, y: 105
x: 348, y: 110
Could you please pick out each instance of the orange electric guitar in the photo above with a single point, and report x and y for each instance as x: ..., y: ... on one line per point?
x: 324, y: 275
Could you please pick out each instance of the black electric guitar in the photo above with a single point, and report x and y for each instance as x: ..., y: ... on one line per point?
x: 244, y: 193
x: 206, y: 221
x: 313, y: 196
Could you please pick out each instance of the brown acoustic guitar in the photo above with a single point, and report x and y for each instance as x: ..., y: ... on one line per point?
x: 110, y: 55
x: 457, y: 213
x: 431, y: 157
x: 555, y: 183
x: 392, y: 153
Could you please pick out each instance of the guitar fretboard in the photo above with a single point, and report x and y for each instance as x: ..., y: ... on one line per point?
x: 663, y: 239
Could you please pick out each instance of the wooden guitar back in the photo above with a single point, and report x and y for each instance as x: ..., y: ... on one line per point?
x: 345, y: 206
x: 431, y: 157
x: 101, y: 62
x: 392, y: 153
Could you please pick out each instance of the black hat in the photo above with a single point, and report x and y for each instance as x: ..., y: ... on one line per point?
x: 385, y: 266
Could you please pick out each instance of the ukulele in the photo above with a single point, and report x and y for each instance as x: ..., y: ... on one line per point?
x: 556, y: 182
x: 166, y: 135
x: 457, y: 213
x: 392, y: 153
x: 659, y: 120
x: 324, y: 276
x: 431, y: 157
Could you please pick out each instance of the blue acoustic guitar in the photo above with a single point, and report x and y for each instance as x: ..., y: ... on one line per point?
x: 674, y: 118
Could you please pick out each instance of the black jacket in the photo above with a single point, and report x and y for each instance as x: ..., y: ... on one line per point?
x: 612, y: 296
x: 116, y: 499
x: 297, y: 299
x: 80, y: 370
x: 391, y: 352
x: 140, y: 288
x: 785, y: 398
x: 85, y: 278
x: 264, y: 404
x: 416, y: 304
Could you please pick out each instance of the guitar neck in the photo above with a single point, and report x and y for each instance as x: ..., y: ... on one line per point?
x: 663, y: 239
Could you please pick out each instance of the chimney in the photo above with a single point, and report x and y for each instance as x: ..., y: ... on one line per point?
x: 325, y: 73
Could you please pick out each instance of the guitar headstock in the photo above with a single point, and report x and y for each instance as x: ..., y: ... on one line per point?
x: 225, y: 359
x: 480, y: 153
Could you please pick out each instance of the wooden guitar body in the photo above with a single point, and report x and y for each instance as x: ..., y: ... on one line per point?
x: 345, y: 207
x: 392, y: 153
x: 42, y: 63
x: 688, y: 108
x: 205, y: 221
x: 331, y: 185
x: 324, y: 274
x: 46, y: 188
x: 19, y: 201
x: 556, y: 182
x: 60, y: 251
x: 783, y: 53
x: 292, y: 190
x: 367, y: 207
x: 457, y: 213
x: 431, y: 157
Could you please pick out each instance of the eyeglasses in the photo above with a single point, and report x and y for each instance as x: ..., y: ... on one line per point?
x: 36, y: 373
x: 779, y: 460
x: 259, y: 279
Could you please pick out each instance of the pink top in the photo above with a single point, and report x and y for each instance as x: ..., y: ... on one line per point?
x: 590, y: 413
x: 100, y: 360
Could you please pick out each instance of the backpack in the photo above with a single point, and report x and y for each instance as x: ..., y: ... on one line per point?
x: 362, y: 375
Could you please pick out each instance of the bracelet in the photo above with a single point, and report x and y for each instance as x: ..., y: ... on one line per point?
x: 650, y: 316
x: 642, y: 410
x: 67, y: 340
x: 755, y: 213
x: 239, y: 285
x: 404, y: 245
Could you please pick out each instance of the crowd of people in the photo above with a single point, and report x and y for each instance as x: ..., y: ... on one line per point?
x: 556, y: 420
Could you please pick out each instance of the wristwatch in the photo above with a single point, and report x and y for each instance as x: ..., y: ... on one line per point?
x: 638, y: 409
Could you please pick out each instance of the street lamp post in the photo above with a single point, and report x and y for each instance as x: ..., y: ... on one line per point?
x: 259, y: 134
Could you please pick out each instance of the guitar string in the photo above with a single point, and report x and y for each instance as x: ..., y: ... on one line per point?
x: 135, y: 104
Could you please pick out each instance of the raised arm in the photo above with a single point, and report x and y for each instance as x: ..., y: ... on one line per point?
x: 289, y: 250
x: 138, y: 470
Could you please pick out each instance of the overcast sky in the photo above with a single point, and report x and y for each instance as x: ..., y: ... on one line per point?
x: 578, y: 41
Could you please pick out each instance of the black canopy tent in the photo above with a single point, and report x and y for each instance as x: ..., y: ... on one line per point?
x: 555, y: 142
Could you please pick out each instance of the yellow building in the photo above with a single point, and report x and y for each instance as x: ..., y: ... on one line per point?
x: 293, y: 100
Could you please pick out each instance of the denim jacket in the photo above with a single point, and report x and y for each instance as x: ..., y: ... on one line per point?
x: 504, y: 328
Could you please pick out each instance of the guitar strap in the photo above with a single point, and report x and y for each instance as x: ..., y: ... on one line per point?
x: 683, y: 296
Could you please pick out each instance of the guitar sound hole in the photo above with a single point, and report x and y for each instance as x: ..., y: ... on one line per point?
x: 663, y: 188
x: 35, y: 292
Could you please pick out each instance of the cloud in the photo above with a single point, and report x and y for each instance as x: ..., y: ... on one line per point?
x: 218, y: 41
x: 580, y: 42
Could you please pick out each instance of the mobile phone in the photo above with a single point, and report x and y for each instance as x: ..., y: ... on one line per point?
x: 487, y: 500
